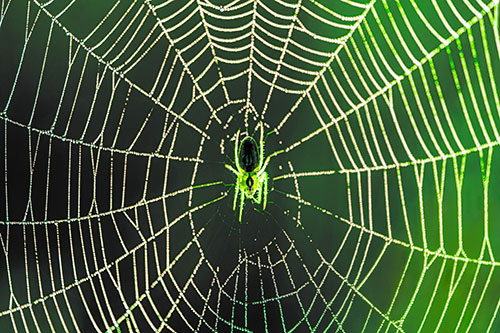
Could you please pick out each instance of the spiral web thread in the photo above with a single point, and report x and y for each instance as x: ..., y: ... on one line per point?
x: 404, y: 92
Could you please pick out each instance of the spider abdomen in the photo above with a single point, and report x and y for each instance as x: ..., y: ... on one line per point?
x: 248, y: 155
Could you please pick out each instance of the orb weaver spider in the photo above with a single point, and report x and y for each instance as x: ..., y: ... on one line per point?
x: 250, y: 171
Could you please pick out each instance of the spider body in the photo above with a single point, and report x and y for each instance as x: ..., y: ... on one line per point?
x: 249, y: 158
x: 251, y: 177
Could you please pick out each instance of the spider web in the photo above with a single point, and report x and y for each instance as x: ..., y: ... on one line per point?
x: 381, y: 120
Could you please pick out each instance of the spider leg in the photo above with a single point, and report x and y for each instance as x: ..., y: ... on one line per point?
x: 264, y: 166
x: 242, y: 203
x: 236, y: 157
x: 265, y: 190
x: 230, y: 168
x: 261, y: 143
x: 236, y: 192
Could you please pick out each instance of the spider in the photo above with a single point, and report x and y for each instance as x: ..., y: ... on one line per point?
x: 250, y: 171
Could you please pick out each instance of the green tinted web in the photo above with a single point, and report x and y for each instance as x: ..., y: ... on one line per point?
x: 381, y: 160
